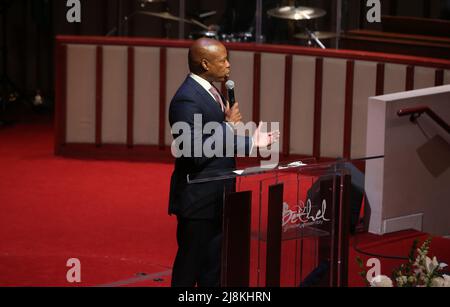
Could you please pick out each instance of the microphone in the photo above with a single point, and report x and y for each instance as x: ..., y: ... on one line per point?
x: 230, y: 89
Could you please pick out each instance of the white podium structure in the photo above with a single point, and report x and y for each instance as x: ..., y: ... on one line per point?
x: 410, y: 187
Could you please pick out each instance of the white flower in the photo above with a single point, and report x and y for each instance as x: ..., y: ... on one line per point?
x: 446, y: 280
x: 438, y: 282
x: 381, y: 281
x: 431, y: 265
x: 421, y: 253
x: 402, y: 280
x: 418, y: 258
x: 418, y: 271
x: 412, y: 279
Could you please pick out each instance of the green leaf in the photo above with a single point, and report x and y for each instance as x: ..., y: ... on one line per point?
x: 360, y: 262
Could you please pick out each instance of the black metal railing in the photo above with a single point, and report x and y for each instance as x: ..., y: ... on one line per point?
x: 416, y: 112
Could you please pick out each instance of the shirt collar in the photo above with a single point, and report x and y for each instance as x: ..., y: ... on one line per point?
x: 204, y: 83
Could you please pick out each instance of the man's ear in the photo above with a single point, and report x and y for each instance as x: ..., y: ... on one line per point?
x: 205, y: 64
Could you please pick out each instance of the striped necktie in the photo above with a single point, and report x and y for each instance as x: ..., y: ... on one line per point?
x: 217, y: 97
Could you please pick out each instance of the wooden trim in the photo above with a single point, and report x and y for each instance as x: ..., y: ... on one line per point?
x: 287, y: 105
x: 318, y: 108
x: 379, y: 88
x: 439, y: 77
x: 124, y: 41
x: 149, y: 152
x: 130, y: 98
x: 257, y: 88
x: 417, y: 39
x: 61, y: 96
x: 99, y: 96
x: 162, y: 96
x: 409, y: 78
x: 348, y: 109
x: 261, y: 48
x: 236, y: 240
x: 117, y: 152
x: 344, y: 229
x: 274, y: 234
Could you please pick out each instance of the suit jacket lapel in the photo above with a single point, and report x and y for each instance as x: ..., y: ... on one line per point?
x: 207, y: 98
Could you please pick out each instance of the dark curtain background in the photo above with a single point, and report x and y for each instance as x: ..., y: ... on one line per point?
x: 31, y: 26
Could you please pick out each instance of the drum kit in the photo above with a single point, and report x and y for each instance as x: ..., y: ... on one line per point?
x: 287, y: 13
x: 303, y: 13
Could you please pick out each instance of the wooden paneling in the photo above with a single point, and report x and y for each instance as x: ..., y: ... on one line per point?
x: 120, y: 94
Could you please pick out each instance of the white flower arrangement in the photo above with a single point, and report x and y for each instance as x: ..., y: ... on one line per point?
x: 381, y: 281
x: 420, y: 271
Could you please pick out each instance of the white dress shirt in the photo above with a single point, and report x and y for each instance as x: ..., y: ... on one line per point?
x: 204, y: 83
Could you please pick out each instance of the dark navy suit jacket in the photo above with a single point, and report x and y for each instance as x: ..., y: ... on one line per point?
x: 203, y: 200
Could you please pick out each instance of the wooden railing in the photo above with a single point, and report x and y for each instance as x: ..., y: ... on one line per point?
x: 318, y: 97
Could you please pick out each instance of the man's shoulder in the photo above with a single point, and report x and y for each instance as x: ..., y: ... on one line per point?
x: 186, y: 87
x: 188, y: 90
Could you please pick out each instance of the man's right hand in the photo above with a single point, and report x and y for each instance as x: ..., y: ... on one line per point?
x: 233, y: 115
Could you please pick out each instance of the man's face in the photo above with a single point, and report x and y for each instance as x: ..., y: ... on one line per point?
x: 217, y: 64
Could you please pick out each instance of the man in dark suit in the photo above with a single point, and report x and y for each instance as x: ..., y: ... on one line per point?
x: 198, y: 207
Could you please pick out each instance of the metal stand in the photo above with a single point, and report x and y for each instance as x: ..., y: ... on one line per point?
x: 121, y: 23
x: 313, y: 37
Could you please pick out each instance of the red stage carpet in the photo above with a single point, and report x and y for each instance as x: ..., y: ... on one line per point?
x: 110, y: 215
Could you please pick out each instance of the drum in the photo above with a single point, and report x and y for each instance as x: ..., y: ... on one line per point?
x: 246, y: 37
x: 242, y: 37
x: 207, y: 34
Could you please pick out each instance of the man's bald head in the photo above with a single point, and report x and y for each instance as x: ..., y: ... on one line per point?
x: 204, y: 55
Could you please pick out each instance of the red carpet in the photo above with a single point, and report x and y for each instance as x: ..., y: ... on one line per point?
x: 111, y: 215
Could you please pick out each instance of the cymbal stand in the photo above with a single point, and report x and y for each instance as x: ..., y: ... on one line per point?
x: 122, y: 22
x: 313, y: 37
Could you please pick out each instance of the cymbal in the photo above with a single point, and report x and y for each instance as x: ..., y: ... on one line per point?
x: 151, y: 1
x: 296, y: 13
x: 201, y: 25
x: 166, y: 15
x: 318, y: 34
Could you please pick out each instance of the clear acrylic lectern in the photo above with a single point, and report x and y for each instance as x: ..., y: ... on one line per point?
x: 285, y: 225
